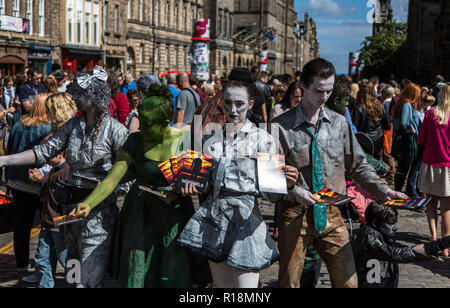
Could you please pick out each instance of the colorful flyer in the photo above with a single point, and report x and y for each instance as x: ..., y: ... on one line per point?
x: 410, y: 204
x: 329, y: 196
x: 67, y: 219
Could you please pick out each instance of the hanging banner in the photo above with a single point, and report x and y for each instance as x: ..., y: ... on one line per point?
x: 16, y: 24
x: 353, y: 64
x: 199, y: 52
x: 263, y: 61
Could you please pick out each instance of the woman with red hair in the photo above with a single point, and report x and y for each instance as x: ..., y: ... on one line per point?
x: 407, y: 122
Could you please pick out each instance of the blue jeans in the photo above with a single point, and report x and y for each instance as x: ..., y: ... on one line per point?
x: 51, y: 248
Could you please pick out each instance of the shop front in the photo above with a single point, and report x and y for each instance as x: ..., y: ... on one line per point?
x: 115, y: 60
x: 13, y: 59
x: 75, y: 59
x: 40, y: 58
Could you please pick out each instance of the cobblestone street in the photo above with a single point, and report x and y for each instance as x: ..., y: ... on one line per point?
x: 413, y: 229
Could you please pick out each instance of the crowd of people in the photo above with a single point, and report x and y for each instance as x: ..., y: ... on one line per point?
x: 74, y: 144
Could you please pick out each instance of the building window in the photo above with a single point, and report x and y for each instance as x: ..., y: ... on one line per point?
x: 230, y: 33
x: 141, y: 10
x: 2, y: 7
x: 225, y: 28
x: 105, y: 16
x: 184, y: 18
x: 167, y: 13
x: 129, y: 9
x: 79, y: 20
x: 87, y: 22
x: 156, y: 55
x: 41, y: 17
x: 199, y: 13
x: 219, y: 30
x: 116, y: 18
x: 175, y: 16
x: 95, y: 25
x: 141, y: 53
x: 70, y: 21
x: 156, y: 12
x: 167, y: 57
x: 16, y: 8
x: 29, y: 15
x: 176, y: 57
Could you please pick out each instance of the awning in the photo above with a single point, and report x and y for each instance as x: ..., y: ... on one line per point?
x: 83, y: 50
x: 87, y: 52
x: 41, y: 47
x: 39, y: 58
x: 12, y: 60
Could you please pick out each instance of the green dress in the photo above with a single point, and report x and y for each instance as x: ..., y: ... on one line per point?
x: 145, y: 253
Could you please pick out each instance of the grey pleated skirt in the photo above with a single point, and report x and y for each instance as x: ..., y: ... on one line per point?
x: 434, y: 180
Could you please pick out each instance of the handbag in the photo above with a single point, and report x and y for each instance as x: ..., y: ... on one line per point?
x: 404, y: 145
x: 6, y: 214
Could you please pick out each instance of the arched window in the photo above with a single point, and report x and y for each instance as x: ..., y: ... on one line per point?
x: 239, y: 62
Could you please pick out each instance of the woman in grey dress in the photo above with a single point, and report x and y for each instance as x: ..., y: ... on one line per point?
x: 91, y: 142
x: 229, y: 229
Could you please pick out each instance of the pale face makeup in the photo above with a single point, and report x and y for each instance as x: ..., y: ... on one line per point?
x: 318, y: 91
x: 236, y: 105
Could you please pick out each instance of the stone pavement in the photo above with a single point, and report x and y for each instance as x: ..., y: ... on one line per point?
x: 413, y: 229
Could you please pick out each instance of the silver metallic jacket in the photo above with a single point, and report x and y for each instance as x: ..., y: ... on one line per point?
x: 339, y: 150
x: 82, y: 157
x: 89, y: 241
x: 229, y: 226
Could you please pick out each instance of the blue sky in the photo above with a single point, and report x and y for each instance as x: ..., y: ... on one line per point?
x: 342, y: 25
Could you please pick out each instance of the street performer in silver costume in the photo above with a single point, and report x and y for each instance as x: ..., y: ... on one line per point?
x: 229, y: 229
x: 91, y: 142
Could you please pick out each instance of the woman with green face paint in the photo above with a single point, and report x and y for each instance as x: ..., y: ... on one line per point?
x: 145, y: 253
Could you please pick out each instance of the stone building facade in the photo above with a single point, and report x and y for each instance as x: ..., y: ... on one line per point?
x: 277, y: 16
x: 428, y: 41
x: 159, y: 35
x: 383, y: 13
x: 115, y: 32
x: 220, y: 14
x: 28, y: 35
x: 306, y: 43
x: 142, y: 36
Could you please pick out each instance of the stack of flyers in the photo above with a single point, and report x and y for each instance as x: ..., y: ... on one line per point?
x: 67, y: 219
x: 271, y: 176
x: 188, y: 167
x: 410, y: 204
x: 329, y: 196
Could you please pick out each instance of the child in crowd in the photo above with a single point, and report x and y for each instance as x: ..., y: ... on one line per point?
x: 376, y: 255
x: 51, y: 247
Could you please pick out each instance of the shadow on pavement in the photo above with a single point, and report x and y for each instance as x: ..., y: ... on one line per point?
x: 440, y: 266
